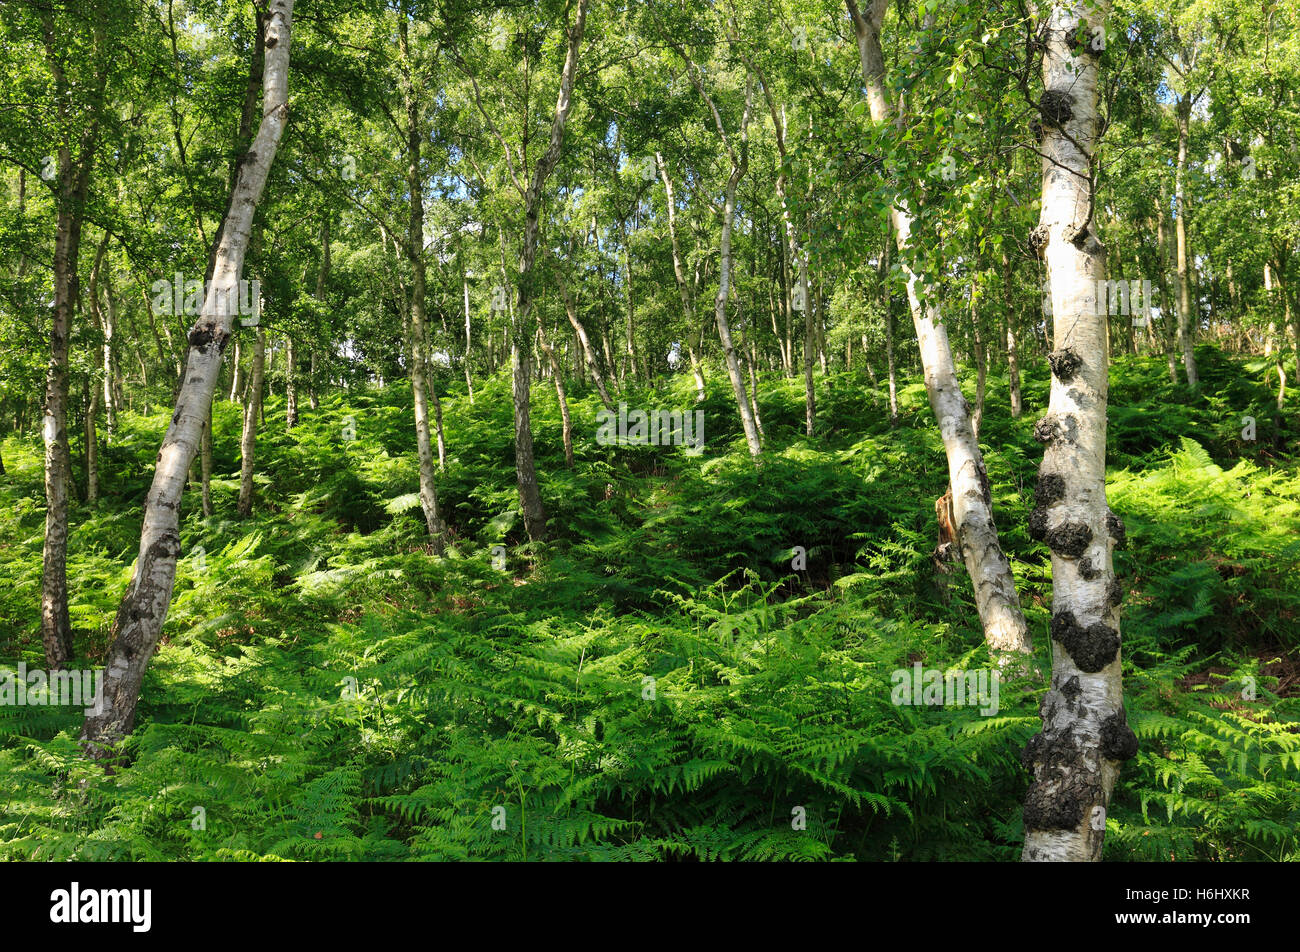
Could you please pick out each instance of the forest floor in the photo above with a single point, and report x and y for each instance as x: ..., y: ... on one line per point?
x: 656, y: 681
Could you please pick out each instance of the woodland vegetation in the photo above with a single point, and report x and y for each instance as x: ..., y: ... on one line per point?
x: 561, y: 429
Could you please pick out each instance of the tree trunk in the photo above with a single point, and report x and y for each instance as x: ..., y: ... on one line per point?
x: 887, y: 300
x: 236, y: 380
x: 679, y: 273
x: 92, y: 450
x: 739, y: 163
x: 530, y: 498
x: 1013, y: 354
x: 322, y: 277
x: 56, y: 629
x: 205, y: 463
x: 632, y: 356
x: 589, y: 354
x: 140, y: 617
x: 469, y: 381
x: 558, y: 373
x: 981, y: 361
x: 252, y: 417
x: 1085, y: 736
x: 1185, y: 328
x: 972, y: 504
x: 290, y: 384
x: 418, y: 320
x: 69, y: 200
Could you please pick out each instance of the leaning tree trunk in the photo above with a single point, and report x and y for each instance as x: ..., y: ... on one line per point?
x: 972, y: 503
x: 252, y: 417
x: 138, y: 625
x: 530, y: 497
x: 557, y: 372
x: 1085, y: 735
x: 589, y: 354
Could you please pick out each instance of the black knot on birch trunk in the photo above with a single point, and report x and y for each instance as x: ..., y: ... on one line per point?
x: 1065, y: 782
x: 1114, y: 593
x: 1038, y: 524
x: 1087, y: 570
x: 1050, y: 489
x: 1069, y: 539
x: 1115, y: 526
x: 1038, y: 237
x: 207, y: 335
x: 1045, y: 429
x: 1065, y: 363
x: 1118, y: 742
x: 1057, y: 107
x: 1090, y: 648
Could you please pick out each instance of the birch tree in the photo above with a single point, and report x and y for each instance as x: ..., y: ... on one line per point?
x: 138, y: 625
x: 1085, y: 737
x: 972, y: 504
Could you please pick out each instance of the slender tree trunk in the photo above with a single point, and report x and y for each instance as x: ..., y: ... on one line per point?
x: 70, y: 197
x: 236, y: 380
x: 1185, y: 327
x: 1013, y: 354
x: 290, y: 384
x: 92, y: 450
x: 632, y: 356
x: 809, y: 343
x: 322, y: 277
x: 418, y: 320
x: 558, y: 373
x: 56, y: 629
x: 205, y: 463
x: 593, y: 364
x: 679, y: 274
x: 887, y: 300
x: 1085, y: 736
x: 1004, y: 624
x: 738, y: 165
x: 140, y: 618
x: 981, y: 362
x: 469, y: 381
x: 252, y: 417
x: 530, y: 498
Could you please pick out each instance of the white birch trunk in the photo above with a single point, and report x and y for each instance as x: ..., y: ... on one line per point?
x: 1085, y: 736
x: 972, y: 503
x: 140, y: 618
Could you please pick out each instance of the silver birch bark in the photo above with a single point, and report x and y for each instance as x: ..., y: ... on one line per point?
x: 1185, y: 328
x: 138, y: 625
x: 972, y: 503
x: 739, y: 164
x: 1085, y: 735
x: 252, y: 418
